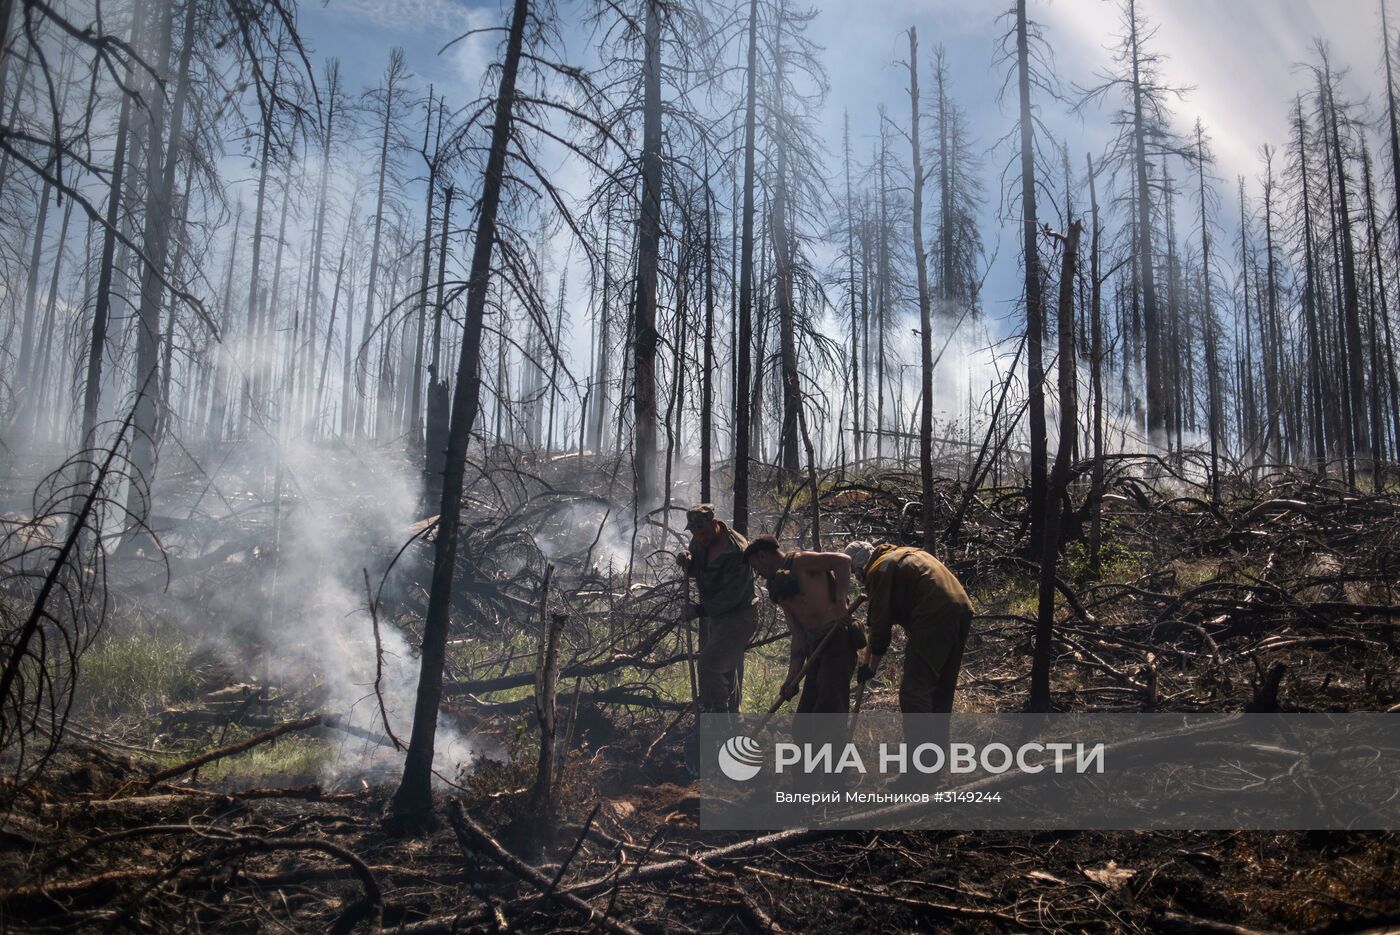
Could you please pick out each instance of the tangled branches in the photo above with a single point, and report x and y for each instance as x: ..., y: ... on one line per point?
x: 53, y: 564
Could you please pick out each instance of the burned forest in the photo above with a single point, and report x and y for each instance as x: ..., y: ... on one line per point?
x: 447, y: 446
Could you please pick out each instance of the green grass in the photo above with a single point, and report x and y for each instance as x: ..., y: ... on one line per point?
x: 764, y: 673
x: 133, y: 667
x: 286, y: 756
x: 1193, y: 575
x: 292, y: 755
x: 1117, y: 562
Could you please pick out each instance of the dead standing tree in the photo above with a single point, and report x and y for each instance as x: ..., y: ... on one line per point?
x: 744, y: 337
x: 1352, y: 351
x: 412, y: 802
x: 658, y: 54
x: 797, y: 85
x: 644, y: 335
x: 97, y: 344
x: 517, y: 118
x: 161, y: 159
x: 1144, y: 135
x: 1208, y: 310
x: 925, y: 313
x: 1059, y: 475
x: 1021, y: 46
x: 385, y: 98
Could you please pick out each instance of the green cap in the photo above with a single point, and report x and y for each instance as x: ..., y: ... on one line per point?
x: 699, y: 516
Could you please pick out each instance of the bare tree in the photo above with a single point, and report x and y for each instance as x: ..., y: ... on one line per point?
x: 1059, y: 476
x: 925, y: 313
x: 412, y: 802
x: 743, y: 369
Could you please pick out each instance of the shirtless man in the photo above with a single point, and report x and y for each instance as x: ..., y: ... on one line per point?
x: 811, y: 587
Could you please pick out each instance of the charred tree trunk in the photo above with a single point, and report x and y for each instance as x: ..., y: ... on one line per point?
x: 1268, y: 331
x: 29, y: 323
x: 435, y: 431
x: 865, y: 291
x: 1379, y: 390
x: 743, y: 369
x: 644, y: 337
x: 1356, y: 367
x: 39, y: 378
x: 1157, y: 408
x: 415, y: 389
x: 97, y: 345
x: 925, y: 312
x: 783, y: 281
x: 1394, y: 139
x: 223, y: 358
x: 391, y: 78
x: 855, y: 316
x: 1035, y: 324
x: 1096, y: 479
x: 251, y: 365
x: 707, y: 385
x: 319, y: 402
x: 313, y: 298
x: 412, y: 802
x: 600, y: 407
x: 882, y: 298
x: 1212, y: 365
x: 1058, y: 480
x: 156, y: 241
x: 675, y: 405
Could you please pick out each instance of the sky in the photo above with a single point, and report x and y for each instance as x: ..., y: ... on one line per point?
x: 1238, y: 59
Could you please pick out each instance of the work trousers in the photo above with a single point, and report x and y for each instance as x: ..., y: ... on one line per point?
x: 727, y: 637
x: 826, y: 689
x: 933, y: 655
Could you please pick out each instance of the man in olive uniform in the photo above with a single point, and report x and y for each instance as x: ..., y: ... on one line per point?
x: 909, y: 587
x: 724, y: 582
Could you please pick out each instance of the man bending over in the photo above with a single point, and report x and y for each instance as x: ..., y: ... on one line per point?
x: 811, y: 587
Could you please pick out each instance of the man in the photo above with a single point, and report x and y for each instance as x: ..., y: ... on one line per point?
x: 715, y: 560
x: 909, y: 587
x: 811, y: 588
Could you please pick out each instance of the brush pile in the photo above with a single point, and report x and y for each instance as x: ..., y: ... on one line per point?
x: 1280, y: 597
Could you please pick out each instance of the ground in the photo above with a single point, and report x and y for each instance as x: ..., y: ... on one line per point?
x: 1281, y: 597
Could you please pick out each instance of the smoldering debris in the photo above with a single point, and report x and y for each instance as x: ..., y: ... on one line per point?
x: 1194, y: 601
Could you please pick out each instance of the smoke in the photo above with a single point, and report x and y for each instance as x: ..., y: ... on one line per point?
x: 594, y: 531
x: 342, y: 514
x: 355, y: 512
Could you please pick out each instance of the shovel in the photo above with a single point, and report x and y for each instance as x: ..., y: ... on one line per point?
x: 784, y: 697
x: 855, y: 711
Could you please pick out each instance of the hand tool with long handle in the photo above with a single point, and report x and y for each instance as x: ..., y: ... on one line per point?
x: 855, y: 711
x: 812, y: 657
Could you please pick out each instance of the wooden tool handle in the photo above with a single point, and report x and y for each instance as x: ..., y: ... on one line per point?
x: 812, y: 656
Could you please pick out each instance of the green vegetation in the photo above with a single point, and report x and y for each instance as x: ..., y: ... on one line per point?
x: 1117, y: 561
x: 135, y: 667
x: 292, y: 755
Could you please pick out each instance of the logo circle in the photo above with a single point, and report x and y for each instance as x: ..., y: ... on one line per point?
x: 741, y: 758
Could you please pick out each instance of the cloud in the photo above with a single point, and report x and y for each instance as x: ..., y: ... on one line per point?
x: 1238, y: 59
x: 445, y: 17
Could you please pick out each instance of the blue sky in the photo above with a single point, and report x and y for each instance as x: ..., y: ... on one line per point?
x: 1238, y: 56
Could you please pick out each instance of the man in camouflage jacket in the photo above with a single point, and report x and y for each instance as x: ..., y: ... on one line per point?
x: 724, y: 583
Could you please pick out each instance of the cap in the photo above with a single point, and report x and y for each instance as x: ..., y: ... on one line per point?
x: 859, y: 552
x: 699, y: 516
